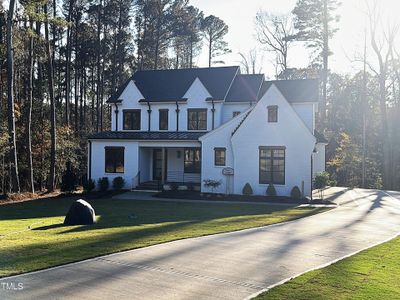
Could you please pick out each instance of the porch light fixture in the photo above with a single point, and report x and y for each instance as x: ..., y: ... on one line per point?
x: 178, y: 154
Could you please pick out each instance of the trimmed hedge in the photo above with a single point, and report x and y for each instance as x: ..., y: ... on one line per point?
x: 271, y: 191
x: 295, y: 193
x: 247, y: 190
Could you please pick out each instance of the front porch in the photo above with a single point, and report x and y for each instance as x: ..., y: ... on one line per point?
x: 165, y: 165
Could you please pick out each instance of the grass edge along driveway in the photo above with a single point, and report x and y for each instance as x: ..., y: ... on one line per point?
x: 32, y: 236
x: 373, y: 273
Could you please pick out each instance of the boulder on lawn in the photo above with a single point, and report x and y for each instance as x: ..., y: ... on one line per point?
x: 80, y: 213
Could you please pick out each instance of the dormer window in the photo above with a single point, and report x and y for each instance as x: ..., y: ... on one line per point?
x: 131, y: 119
x: 197, y: 119
x: 272, y: 114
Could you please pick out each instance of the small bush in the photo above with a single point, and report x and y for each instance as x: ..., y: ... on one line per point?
x: 321, y: 180
x: 211, y: 183
x: 103, y: 184
x: 69, y: 179
x: 295, y: 193
x: 247, y: 190
x: 174, y: 186
x: 88, y: 185
x: 190, y: 186
x: 271, y: 191
x: 118, y: 183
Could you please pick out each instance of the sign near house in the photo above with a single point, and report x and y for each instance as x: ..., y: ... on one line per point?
x: 228, y: 171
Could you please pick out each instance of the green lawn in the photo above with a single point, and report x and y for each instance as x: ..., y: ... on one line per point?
x: 122, y: 225
x: 371, y: 274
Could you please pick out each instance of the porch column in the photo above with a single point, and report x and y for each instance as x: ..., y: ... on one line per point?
x: 163, y: 165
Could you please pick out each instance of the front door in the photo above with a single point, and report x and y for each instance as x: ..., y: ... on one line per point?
x: 157, y: 164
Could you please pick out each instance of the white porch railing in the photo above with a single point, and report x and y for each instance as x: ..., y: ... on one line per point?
x: 178, y: 176
x: 136, y: 180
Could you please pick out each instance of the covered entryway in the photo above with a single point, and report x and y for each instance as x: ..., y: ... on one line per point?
x: 160, y: 162
x: 162, y: 165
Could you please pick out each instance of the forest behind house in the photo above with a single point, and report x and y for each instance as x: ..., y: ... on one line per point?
x: 61, y: 60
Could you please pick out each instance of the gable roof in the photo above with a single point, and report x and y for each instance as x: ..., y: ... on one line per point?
x: 245, y: 88
x: 295, y: 91
x: 171, y: 85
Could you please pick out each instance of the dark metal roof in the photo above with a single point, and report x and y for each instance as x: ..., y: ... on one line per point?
x: 295, y: 91
x: 320, y: 137
x: 171, y: 85
x: 245, y: 88
x: 147, y: 135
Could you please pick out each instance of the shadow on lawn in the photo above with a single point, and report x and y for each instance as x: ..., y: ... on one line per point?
x: 166, y: 213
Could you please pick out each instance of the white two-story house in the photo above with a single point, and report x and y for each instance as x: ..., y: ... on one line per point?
x: 189, y: 125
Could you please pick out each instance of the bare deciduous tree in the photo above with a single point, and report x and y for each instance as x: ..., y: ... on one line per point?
x: 382, y: 46
x: 276, y: 33
x: 251, y: 62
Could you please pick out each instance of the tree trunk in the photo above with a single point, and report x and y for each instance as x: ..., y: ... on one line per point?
x: 210, y: 52
x: 30, y: 99
x: 68, y: 65
x: 98, y: 66
x: 52, y: 178
x: 325, y: 54
x: 10, y: 100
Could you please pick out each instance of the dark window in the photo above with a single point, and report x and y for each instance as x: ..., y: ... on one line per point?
x: 219, y: 156
x: 236, y: 113
x: 163, y: 119
x: 132, y: 119
x: 192, y: 160
x: 197, y: 119
x: 272, y: 165
x: 114, y: 159
x: 273, y: 114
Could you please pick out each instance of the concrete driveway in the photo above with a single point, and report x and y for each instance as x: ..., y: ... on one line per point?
x: 223, y: 266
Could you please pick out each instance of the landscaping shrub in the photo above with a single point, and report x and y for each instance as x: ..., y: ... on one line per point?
x: 118, y: 183
x: 321, y: 180
x: 103, y: 184
x: 211, y: 183
x: 190, y: 186
x: 174, y: 186
x: 271, y: 191
x: 69, y: 179
x: 247, y: 190
x: 88, y: 185
x: 295, y: 193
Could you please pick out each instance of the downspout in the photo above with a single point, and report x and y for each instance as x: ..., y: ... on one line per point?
x: 212, y: 114
x: 177, y: 116
x: 149, y: 112
x: 116, y: 116
x: 90, y: 160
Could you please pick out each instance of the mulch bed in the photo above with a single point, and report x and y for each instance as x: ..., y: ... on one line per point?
x: 190, y: 195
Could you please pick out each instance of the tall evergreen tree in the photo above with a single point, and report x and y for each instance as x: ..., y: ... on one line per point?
x: 10, y: 102
x: 315, y: 21
x: 214, y: 31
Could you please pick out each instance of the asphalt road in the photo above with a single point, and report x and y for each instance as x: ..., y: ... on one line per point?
x: 223, y: 266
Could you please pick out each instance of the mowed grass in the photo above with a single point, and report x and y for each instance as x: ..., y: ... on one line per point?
x: 33, y: 237
x: 371, y: 274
